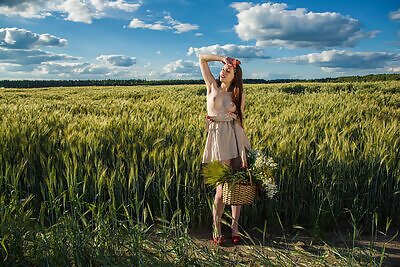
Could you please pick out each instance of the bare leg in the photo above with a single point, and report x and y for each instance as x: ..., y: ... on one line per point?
x: 235, y: 219
x: 218, y: 208
x: 236, y: 164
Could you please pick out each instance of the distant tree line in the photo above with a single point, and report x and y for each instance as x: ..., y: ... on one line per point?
x: 111, y: 82
x: 366, y: 78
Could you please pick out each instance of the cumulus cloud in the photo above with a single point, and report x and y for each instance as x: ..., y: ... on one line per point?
x: 75, y: 10
x: 137, y: 23
x: 179, y: 26
x: 118, y: 4
x: 19, y: 53
x: 336, y: 60
x: 395, y: 15
x: 29, y: 57
x: 181, y: 68
x: 239, y: 51
x: 25, y: 8
x: 72, y: 69
x: 18, y: 49
x: 394, y: 69
x: 23, y: 39
x: 88, y: 70
x: 168, y: 23
x: 273, y: 76
x: 117, y: 60
x: 241, y: 6
x: 80, y: 12
x: 273, y: 24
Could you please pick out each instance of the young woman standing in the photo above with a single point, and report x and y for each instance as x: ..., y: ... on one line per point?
x: 226, y: 139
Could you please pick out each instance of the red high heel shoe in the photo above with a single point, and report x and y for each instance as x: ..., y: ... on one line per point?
x: 235, y: 239
x: 218, y: 240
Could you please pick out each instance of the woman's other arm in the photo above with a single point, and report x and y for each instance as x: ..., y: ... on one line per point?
x: 205, y: 69
x: 242, y: 110
x: 243, y: 141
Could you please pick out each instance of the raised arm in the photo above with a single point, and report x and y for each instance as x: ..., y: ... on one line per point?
x: 205, y: 69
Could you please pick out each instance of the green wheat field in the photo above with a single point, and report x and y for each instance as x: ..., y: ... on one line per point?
x: 111, y: 176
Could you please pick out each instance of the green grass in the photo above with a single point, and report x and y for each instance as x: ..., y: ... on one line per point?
x: 76, y: 161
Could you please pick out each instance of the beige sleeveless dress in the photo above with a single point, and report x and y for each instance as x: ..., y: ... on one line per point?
x: 226, y: 139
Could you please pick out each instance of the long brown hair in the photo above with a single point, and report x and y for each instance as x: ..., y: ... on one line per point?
x: 237, y: 90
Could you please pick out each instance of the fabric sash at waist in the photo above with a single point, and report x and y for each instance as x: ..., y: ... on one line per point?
x: 223, y: 117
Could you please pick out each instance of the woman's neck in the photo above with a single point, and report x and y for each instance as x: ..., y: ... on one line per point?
x: 225, y: 87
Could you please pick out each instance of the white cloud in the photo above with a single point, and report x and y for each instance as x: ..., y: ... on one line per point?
x: 239, y: 51
x: 241, y: 6
x: 137, y: 23
x: 75, y: 70
x: 394, y: 69
x: 118, y: 4
x: 25, y: 8
x: 117, y: 60
x: 168, y: 23
x: 30, y: 57
x: 179, y: 26
x: 75, y: 10
x: 181, y: 68
x: 395, y: 15
x: 198, y: 34
x: 85, y: 70
x: 64, y: 69
x: 272, y: 24
x: 18, y: 49
x: 272, y: 76
x: 185, y: 27
x: 67, y: 70
x: 19, y: 53
x: 336, y: 60
x: 23, y: 39
x: 79, y: 12
x: 12, y: 68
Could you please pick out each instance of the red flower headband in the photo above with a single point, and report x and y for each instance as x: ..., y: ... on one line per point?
x: 233, y: 62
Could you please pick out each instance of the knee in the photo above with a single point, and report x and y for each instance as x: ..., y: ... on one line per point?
x: 226, y: 162
x: 218, y: 196
x: 218, y: 193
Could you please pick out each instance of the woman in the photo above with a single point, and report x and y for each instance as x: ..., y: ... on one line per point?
x: 226, y: 140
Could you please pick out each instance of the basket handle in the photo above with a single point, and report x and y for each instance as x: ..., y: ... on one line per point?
x: 251, y: 180
x: 237, y: 146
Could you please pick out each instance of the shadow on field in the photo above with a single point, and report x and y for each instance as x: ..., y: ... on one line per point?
x: 384, y: 250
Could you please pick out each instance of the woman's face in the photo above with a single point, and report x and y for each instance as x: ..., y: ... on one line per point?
x: 227, y: 74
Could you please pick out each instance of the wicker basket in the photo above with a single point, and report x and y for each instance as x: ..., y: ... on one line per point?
x: 238, y: 194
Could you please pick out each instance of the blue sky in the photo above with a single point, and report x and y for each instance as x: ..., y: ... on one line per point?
x: 154, y: 39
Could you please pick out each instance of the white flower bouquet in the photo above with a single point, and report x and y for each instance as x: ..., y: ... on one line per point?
x: 259, y: 173
x: 261, y: 168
